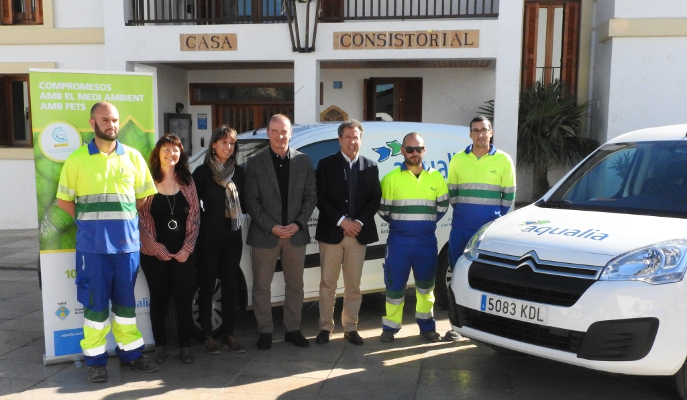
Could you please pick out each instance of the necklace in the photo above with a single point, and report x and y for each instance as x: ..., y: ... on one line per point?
x: 172, y: 224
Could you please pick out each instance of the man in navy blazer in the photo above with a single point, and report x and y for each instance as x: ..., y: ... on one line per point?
x: 348, y: 196
x: 280, y: 195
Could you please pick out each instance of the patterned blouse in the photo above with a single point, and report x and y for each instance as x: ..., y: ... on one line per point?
x: 149, y: 244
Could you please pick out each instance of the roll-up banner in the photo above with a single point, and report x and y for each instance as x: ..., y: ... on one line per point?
x: 60, y: 105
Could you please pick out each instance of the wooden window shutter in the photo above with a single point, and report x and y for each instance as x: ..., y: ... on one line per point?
x: 38, y: 18
x: 6, y: 13
x: 571, y: 33
x: 368, y: 100
x: 332, y: 10
x: 4, y: 112
x: 529, y: 46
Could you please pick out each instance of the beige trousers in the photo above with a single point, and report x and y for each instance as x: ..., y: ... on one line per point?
x: 264, y: 262
x: 349, y: 256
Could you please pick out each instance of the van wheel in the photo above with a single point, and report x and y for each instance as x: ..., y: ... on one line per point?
x: 442, y: 280
x: 241, y: 302
x: 171, y: 323
x: 681, y: 381
x: 216, y: 317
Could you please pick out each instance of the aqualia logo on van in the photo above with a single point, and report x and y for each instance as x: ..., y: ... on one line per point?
x: 393, y: 149
x: 537, y: 228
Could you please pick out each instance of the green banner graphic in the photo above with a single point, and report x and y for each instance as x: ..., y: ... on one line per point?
x: 61, y: 104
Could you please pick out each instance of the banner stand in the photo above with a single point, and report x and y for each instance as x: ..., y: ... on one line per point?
x: 61, y: 101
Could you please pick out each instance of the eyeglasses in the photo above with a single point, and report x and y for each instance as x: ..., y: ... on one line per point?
x: 413, y: 149
x: 482, y: 131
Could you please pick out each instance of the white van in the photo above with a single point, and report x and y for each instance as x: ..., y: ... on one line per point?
x: 592, y: 273
x: 381, y: 142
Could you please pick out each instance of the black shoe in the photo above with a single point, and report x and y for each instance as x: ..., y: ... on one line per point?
x: 452, y: 336
x: 142, y: 363
x: 210, y: 346
x: 431, y: 336
x: 387, y: 336
x: 97, y: 373
x: 354, y: 338
x: 323, y: 337
x: 160, y: 354
x: 297, y: 338
x: 230, y: 343
x: 185, y: 355
x: 265, y: 341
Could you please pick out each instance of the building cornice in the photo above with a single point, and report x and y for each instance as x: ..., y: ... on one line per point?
x: 642, y: 27
x: 27, y: 35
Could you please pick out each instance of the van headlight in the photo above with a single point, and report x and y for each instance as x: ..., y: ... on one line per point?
x: 659, y: 263
x: 471, y: 249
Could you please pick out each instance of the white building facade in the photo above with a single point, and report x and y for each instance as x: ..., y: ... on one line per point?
x: 433, y: 61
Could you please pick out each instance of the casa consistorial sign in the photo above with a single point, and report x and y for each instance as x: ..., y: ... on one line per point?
x: 406, y: 40
x: 208, y: 42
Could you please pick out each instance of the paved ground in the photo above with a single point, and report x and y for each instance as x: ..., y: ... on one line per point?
x: 408, y: 368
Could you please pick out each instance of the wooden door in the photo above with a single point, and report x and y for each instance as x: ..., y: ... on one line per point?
x: 248, y: 117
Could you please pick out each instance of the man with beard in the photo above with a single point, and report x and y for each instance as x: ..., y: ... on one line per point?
x: 101, y: 186
x: 414, y: 198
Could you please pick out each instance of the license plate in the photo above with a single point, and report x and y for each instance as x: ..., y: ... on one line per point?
x: 514, y: 309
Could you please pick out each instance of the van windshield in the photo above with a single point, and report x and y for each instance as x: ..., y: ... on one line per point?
x: 644, y: 178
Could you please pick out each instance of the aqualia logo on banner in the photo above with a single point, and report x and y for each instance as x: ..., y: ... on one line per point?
x: 58, y: 140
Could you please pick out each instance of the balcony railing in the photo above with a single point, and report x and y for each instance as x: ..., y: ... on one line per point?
x: 340, y: 10
x: 204, y: 12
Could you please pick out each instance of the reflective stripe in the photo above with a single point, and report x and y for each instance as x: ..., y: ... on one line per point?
x: 396, y: 302
x: 96, y: 351
x: 413, y: 217
x: 146, y: 187
x: 414, y: 202
x: 510, y: 189
x: 100, y: 215
x: 106, y: 198
x: 477, y: 186
x: 420, y: 315
x: 124, y: 321
x: 96, y: 325
x: 424, y: 291
x: 507, y: 203
x: 66, y: 190
x: 475, y: 200
x: 391, y: 324
x: 131, y: 346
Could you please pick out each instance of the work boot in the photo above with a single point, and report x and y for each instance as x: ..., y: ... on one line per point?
x: 142, y: 364
x: 97, y: 373
x: 387, y: 336
x: 431, y: 336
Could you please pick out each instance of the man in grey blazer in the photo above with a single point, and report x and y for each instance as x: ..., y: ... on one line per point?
x: 280, y: 195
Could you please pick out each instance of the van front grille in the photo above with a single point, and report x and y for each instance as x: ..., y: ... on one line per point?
x: 553, y: 338
x: 529, y: 279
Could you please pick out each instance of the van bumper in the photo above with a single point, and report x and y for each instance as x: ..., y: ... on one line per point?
x: 616, y: 326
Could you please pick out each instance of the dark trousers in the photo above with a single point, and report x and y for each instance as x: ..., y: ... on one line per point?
x: 170, y: 279
x: 218, y: 259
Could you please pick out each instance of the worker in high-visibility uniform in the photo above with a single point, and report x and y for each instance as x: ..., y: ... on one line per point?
x: 481, y: 182
x: 101, y: 185
x: 414, y: 199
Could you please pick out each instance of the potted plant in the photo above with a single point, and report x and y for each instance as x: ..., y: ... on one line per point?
x: 550, y: 131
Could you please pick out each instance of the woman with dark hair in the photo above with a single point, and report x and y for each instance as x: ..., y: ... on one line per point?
x: 169, y: 228
x: 219, y: 182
